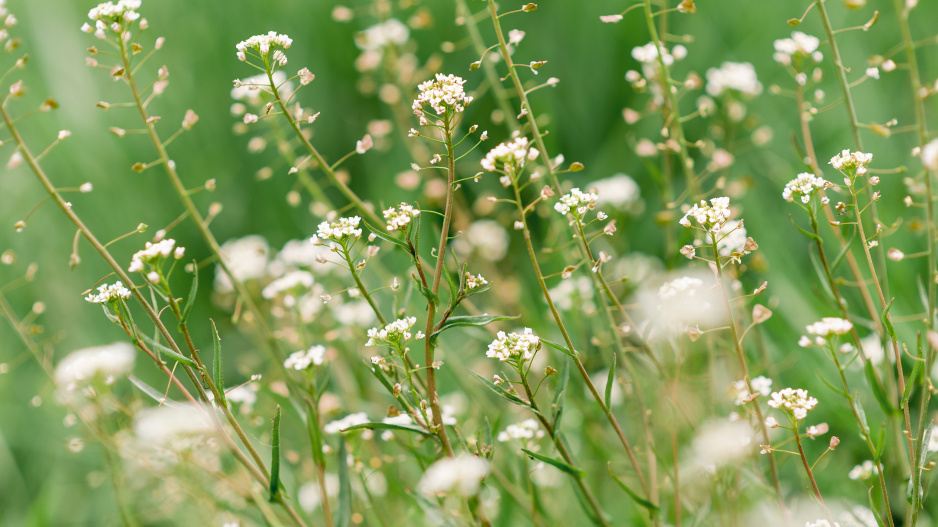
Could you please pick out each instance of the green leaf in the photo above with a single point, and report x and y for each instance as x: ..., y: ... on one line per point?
x: 833, y: 388
x: 560, y: 347
x: 343, y: 514
x: 218, y: 370
x: 381, y: 233
x: 879, y: 520
x: 193, y: 290
x: 561, y: 393
x: 389, y: 426
x: 822, y: 277
x: 453, y: 288
x: 638, y: 499
x: 843, y: 252
x: 910, y: 383
x: 914, y: 495
x: 163, y: 349
x: 810, y: 235
x: 573, y: 471
x: 487, y: 438
x: 466, y: 320
x: 880, y: 444
x: 865, y: 427
x: 426, y: 292
x: 610, y: 379
x: 878, y: 392
x: 514, y: 399
x: 275, y: 457
x: 887, y: 322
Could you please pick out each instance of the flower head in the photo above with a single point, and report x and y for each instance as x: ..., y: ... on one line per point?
x: 265, y: 44
x: 395, y: 334
x: 303, y: 359
x: 829, y: 326
x: 83, y: 366
x: 516, y: 347
x: 576, y: 203
x: 474, y: 282
x: 523, y: 431
x: 109, y: 293
x: 736, y: 76
x: 510, y: 157
x: 106, y: 14
x: 399, y: 218
x: 711, y: 217
x: 852, y: 163
x: 443, y: 94
x: 791, y: 51
x: 804, y: 187
x: 152, y: 254
x: 794, y: 401
x: 460, y: 475
x: 340, y: 231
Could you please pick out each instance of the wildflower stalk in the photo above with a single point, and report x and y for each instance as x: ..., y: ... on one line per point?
x: 807, y: 469
x: 30, y: 159
x: 674, y: 119
x: 321, y: 161
x: 361, y: 287
x: 435, y: 285
x: 599, y: 515
x: 741, y: 357
x: 571, y: 350
x: 314, y: 429
x: 928, y: 354
x: 191, y: 209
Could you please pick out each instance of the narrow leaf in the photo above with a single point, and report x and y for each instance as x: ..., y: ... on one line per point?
x: 910, y: 383
x: 810, y: 235
x: 426, y: 292
x: 878, y: 392
x: 843, y: 252
x: 343, y: 514
x: 879, y: 520
x: 466, y: 320
x: 887, y: 322
x: 638, y: 499
x: 163, y: 349
x: 561, y: 393
x: 610, y: 379
x: 389, y: 426
x: 193, y: 290
x: 833, y: 388
x: 218, y: 370
x: 880, y: 444
x: 502, y: 393
x: 573, y: 471
x: 275, y: 457
x: 152, y: 392
x: 560, y: 347
x: 381, y: 233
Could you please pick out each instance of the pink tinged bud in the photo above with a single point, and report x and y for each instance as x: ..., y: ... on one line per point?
x: 179, y: 252
x: 834, y: 442
x: 153, y: 277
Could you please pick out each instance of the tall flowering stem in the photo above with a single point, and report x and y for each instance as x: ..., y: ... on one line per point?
x: 921, y: 124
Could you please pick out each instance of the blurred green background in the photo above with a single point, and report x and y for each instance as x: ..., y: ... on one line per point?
x: 42, y: 483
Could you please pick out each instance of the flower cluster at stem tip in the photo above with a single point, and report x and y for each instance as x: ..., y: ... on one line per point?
x: 576, y: 203
x: 303, y: 359
x: 339, y: 231
x: 153, y: 253
x: 804, y: 187
x: 711, y: 217
x: 509, y: 157
x: 794, y: 401
x: 109, y: 293
x: 444, y: 94
x: 395, y: 334
x: 514, y: 347
x: 851, y: 164
x: 264, y: 44
x: 113, y: 16
x: 399, y: 218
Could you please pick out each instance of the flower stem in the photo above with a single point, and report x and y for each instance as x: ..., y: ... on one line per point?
x: 807, y: 469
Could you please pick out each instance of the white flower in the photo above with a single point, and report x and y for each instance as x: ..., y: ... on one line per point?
x: 796, y: 48
x: 245, y: 257
x: 349, y: 420
x: 263, y: 44
x: 648, y: 54
x: 458, y: 475
x: 473, y: 282
x: 761, y: 384
x: 795, y: 401
x: 399, y: 218
x: 124, y: 10
x: 443, y: 94
x: 851, y: 162
x: 732, y: 239
x: 510, y: 156
x: 620, y: 191
x: 829, y: 326
x: 165, y: 426
x: 525, y: 430
x: 738, y: 76
x: 518, y: 347
x: 109, y: 293
x: 865, y: 470
x: 341, y: 230
x: 576, y: 203
x: 300, y: 281
x: 804, y: 187
x: 487, y: 237
x: 711, y: 217
x: 151, y: 254
x: 82, y: 366
x: 393, y: 335
x: 390, y: 32
x: 300, y: 360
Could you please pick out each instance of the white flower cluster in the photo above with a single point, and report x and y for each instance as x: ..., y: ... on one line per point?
x: 153, y: 252
x: 394, y: 334
x: 854, y: 162
x: 828, y: 326
x: 473, y: 282
x: 737, y: 76
x: 110, y: 12
x: 400, y: 217
x: 84, y: 365
x: 263, y: 44
x: 576, y: 202
x: 527, y: 429
x: 799, y: 46
x: 514, y: 346
x: 292, y: 281
x: 793, y: 400
x: 458, y: 475
x: 340, y: 230
x: 349, y: 420
x: 391, y: 31
x: 648, y: 54
x: 863, y: 471
x: 805, y: 186
x: 108, y: 293
x: 732, y: 239
x: 712, y: 217
x: 443, y: 94
x: 688, y: 284
x: 762, y: 385
x: 300, y: 360
x: 510, y: 156
x: 245, y: 257
x: 250, y: 89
